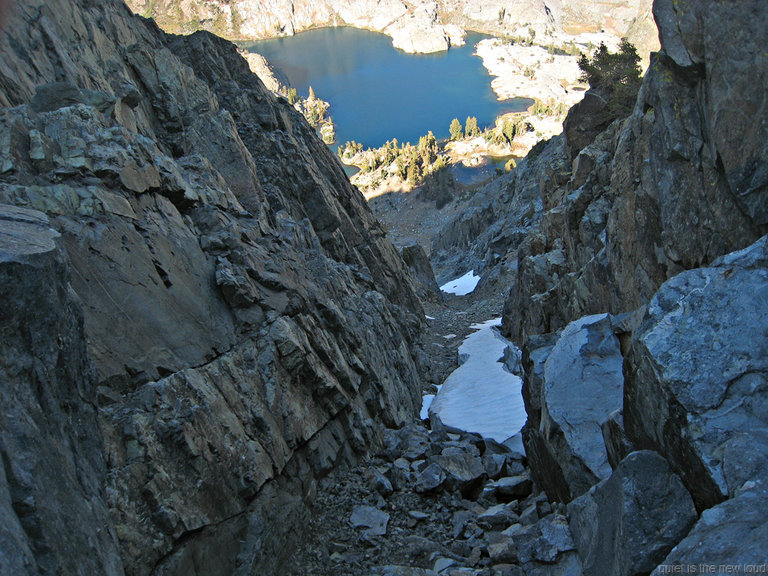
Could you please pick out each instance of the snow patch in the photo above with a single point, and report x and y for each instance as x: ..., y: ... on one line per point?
x: 461, y: 286
x: 481, y: 395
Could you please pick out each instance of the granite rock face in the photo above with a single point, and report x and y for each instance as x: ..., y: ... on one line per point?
x: 246, y: 325
x: 53, y: 475
x: 419, y: 26
x: 675, y: 185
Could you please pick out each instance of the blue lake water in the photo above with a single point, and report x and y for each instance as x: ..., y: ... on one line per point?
x: 378, y: 92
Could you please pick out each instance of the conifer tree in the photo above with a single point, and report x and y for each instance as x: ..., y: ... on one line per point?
x: 470, y: 127
x: 457, y: 132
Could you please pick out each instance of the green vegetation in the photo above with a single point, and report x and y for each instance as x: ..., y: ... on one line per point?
x: 549, y: 108
x: 616, y: 77
x: 456, y: 130
x: 411, y: 164
x: 315, y: 111
x: 506, y: 132
x: 470, y: 127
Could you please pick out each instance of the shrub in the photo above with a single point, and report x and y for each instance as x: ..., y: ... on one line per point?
x: 616, y: 77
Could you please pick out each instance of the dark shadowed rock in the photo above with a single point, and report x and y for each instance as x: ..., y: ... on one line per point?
x: 546, y: 541
x: 628, y: 523
x: 511, y: 488
x: 534, y: 356
x: 617, y: 444
x: 54, y: 516
x: 430, y: 478
x: 421, y: 271
x: 498, y: 517
x: 584, y: 122
x: 733, y: 533
x: 373, y: 519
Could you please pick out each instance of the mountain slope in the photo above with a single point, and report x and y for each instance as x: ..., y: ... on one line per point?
x: 243, y: 322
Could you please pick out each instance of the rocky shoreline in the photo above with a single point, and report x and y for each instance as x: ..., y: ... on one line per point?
x: 422, y: 26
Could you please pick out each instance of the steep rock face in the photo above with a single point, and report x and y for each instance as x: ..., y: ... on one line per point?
x: 629, y: 522
x: 420, y: 26
x: 679, y: 183
x: 659, y: 217
x: 52, y: 479
x: 246, y: 320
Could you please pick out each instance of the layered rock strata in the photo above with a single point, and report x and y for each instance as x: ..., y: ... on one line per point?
x: 245, y: 322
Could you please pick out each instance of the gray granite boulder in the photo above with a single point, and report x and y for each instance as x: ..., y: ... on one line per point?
x: 582, y: 386
x: 627, y: 524
x: 733, y: 534
x: 697, y: 375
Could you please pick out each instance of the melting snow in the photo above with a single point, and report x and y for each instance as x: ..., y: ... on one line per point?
x: 426, y: 402
x: 481, y: 395
x: 461, y: 286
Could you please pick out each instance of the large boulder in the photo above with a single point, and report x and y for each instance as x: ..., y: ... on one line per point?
x: 731, y: 534
x: 583, y: 385
x: 628, y: 523
x: 697, y: 375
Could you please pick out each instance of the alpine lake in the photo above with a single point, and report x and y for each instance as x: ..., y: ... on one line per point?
x: 378, y: 93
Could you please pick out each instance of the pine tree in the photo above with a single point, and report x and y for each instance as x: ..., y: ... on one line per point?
x: 457, y: 132
x: 615, y: 76
x: 470, y: 127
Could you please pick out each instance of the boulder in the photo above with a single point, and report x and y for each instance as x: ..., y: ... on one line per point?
x: 497, y: 517
x: 583, y: 385
x: 697, y: 375
x: 546, y: 541
x: 511, y: 488
x: 628, y: 523
x: 430, y: 478
x: 463, y: 471
x: 733, y: 533
x: 374, y: 520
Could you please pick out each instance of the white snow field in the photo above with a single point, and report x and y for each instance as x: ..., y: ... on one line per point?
x: 461, y: 286
x: 481, y: 395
